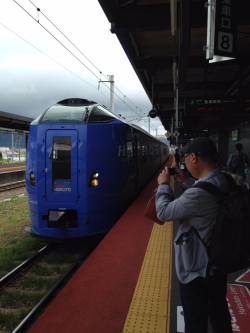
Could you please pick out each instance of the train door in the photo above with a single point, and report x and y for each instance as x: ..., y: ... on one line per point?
x: 61, y: 166
x: 131, y: 167
x: 137, y: 163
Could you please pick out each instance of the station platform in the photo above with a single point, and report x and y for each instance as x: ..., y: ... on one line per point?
x: 127, y: 285
x: 12, y: 167
x: 12, y: 173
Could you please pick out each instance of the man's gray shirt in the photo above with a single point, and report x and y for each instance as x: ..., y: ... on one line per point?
x: 198, y: 209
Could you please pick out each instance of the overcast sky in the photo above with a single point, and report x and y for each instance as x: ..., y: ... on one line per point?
x: 30, y: 81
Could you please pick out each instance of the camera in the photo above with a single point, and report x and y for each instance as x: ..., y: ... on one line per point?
x: 172, y: 171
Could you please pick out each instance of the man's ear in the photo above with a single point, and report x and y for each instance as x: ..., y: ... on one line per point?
x: 194, y: 158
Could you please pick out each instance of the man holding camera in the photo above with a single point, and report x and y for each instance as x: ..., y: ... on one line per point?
x: 197, y: 210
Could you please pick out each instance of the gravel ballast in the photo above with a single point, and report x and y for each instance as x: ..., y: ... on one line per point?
x: 16, y: 191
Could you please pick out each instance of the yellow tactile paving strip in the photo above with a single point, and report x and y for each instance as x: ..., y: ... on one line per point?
x: 149, y: 311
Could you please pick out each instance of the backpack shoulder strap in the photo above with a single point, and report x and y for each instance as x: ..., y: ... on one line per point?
x: 229, y: 179
x: 210, y: 188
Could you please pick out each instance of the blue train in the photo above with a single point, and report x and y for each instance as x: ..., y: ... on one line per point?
x: 84, y: 163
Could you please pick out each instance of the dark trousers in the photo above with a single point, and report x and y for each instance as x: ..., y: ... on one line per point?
x: 201, y: 301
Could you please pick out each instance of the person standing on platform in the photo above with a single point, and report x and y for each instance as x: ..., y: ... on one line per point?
x: 239, y: 161
x: 196, y: 209
x: 177, y: 157
x: 247, y: 175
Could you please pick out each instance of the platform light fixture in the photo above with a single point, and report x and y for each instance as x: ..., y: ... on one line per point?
x: 209, y: 48
x: 173, y: 16
x: 174, y: 75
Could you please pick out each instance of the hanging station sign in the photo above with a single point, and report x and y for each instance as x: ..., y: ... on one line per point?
x: 180, y: 118
x: 188, y: 135
x: 152, y: 114
x: 219, y: 105
x: 211, y: 106
x: 225, y: 36
x: 221, y: 30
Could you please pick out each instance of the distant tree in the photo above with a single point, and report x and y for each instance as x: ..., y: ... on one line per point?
x: 1, y: 157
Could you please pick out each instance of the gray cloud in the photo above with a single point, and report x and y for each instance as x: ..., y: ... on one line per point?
x: 30, y: 82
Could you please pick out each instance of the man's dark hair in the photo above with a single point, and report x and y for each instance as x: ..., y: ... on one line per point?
x: 239, y: 146
x: 209, y: 160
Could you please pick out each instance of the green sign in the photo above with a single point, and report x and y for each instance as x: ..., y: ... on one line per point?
x: 235, y: 135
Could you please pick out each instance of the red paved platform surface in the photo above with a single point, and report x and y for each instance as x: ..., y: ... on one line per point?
x: 98, y: 297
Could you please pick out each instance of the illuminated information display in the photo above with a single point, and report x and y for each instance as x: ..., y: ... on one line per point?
x: 195, y: 106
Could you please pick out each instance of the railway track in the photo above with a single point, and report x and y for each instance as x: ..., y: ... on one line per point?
x: 11, y: 186
x: 15, y: 277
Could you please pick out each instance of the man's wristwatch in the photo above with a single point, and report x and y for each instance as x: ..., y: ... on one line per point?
x: 164, y: 184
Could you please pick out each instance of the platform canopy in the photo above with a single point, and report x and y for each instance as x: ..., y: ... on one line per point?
x: 143, y: 28
x: 13, y: 123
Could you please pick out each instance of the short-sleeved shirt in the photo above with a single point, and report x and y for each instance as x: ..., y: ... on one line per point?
x: 244, y: 160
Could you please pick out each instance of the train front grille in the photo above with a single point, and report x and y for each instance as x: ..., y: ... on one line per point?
x: 62, y: 219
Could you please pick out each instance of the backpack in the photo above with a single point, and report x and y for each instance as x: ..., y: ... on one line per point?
x: 229, y: 248
x: 235, y: 164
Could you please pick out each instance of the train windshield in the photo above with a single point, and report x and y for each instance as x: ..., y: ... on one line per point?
x: 61, y: 163
x: 64, y: 114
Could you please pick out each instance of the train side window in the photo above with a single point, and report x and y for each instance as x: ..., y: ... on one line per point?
x: 145, y: 154
x: 151, y: 153
x: 164, y: 151
x: 101, y: 115
x: 130, y: 156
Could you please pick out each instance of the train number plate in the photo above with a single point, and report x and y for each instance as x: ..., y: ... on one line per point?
x: 61, y: 185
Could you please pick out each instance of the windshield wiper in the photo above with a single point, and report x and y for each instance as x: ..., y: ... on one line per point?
x: 86, y: 115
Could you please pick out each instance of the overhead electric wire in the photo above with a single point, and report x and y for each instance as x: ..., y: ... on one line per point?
x: 56, y: 62
x: 70, y: 51
x: 67, y: 38
x: 55, y: 38
x: 71, y: 54
x: 51, y: 58
x: 60, y: 30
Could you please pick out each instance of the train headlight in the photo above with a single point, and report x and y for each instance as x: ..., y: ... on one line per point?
x: 94, y: 182
x: 94, y: 179
x: 32, y: 179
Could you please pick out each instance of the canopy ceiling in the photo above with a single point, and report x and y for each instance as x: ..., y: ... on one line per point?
x: 143, y: 28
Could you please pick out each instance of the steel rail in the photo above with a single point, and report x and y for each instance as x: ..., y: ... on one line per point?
x: 22, y: 327
x: 11, y: 275
x: 13, y: 185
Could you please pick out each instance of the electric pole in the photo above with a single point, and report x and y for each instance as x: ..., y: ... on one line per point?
x: 111, y: 81
x: 12, y: 149
x: 112, y: 104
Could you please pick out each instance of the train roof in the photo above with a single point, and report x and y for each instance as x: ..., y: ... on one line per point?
x: 84, y: 102
x: 141, y: 129
x: 76, y: 101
